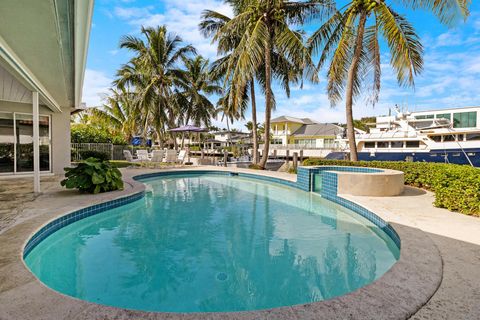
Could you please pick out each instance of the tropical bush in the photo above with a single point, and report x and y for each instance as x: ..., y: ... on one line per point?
x: 456, y: 187
x: 93, y: 176
x: 102, y: 156
x: 83, y: 133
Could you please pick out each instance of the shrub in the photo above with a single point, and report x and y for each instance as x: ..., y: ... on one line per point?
x: 93, y: 176
x: 255, y: 167
x: 102, y: 156
x: 456, y: 187
x: 82, y: 133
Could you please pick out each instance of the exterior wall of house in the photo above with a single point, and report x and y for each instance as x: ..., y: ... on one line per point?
x: 60, y: 129
x: 283, y: 130
x: 59, y: 132
x: 318, y: 141
x: 222, y: 136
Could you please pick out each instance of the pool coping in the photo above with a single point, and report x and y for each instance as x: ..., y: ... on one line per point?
x: 398, y: 294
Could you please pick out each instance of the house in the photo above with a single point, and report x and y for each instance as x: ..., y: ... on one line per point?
x: 303, y: 133
x: 222, y: 138
x: 43, y: 50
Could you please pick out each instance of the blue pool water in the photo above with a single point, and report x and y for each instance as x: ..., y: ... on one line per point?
x: 198, y: 243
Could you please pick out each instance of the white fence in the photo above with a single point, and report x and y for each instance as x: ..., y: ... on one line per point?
x: 115, y: 152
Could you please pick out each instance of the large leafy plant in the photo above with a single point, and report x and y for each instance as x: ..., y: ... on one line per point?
x: 93, y: 176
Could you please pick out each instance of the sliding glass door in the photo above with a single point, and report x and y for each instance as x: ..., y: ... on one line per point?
x: 16, y: 143
x: 7, y: 143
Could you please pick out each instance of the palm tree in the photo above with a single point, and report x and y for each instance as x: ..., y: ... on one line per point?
x: 230, y: 107
x: 351, y: 37
x: 151, y: 72
x: 260, y: 31
x: 117, y: 114
x: 194, y: 84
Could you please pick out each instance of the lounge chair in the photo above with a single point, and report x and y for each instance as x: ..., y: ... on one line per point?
x: 128, y: 156
x: 181, y: 156
x: 157, y: 155
x: 170, y: 156
x: 142, y: 155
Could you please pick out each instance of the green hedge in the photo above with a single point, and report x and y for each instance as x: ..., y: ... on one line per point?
x: 456, y: 187
x: 102, y: 156
x: 82, y: 133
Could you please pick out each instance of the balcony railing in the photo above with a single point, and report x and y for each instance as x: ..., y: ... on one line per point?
x: 333, y: 146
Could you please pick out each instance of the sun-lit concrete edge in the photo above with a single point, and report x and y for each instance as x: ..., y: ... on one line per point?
x: 405, y: 288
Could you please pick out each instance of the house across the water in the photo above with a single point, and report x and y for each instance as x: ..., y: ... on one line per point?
x: 310, y: 136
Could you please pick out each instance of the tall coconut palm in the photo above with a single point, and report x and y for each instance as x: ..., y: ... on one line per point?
x: 350, y: 38
x: 151, y: 72
x: 260, y: 30
x: 195, y: 84
x: 227, y: 110
x: 117, y: 114
x: 230, y: 107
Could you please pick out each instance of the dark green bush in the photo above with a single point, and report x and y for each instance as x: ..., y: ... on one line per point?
x: 93, y: 176
x: 102, y: 156
x: 456, y: 187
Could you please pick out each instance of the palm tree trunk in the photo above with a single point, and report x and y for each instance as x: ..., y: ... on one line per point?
x: 228, y: 132
x: 254, y: 122
x: 160, y: 139
x: 352, y: 70
x: 268, y: 102
x: 183, y: 133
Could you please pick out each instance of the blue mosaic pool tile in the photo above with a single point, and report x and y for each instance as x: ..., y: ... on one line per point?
x: 67, y: 219
x: 329, y: 187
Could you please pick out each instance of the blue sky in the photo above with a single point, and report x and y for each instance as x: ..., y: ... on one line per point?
x: 451, y: 75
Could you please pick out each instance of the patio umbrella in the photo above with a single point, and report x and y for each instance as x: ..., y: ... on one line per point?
x: 189, y: 129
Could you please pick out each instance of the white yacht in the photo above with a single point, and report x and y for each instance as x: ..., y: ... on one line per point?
x: 448, y: 135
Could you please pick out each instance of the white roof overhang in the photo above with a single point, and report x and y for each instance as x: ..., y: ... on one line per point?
x: 43, y: 45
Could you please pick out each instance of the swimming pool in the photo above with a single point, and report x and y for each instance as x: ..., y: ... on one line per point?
x: 214, y: 242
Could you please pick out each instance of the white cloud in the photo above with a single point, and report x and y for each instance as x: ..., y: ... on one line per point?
x: 95, y: 87
x: 181, y: 17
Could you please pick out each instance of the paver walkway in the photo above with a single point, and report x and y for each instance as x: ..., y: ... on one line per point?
x: 457, y: 237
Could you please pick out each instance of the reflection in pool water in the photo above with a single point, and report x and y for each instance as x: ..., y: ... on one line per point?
x: 214, y: 243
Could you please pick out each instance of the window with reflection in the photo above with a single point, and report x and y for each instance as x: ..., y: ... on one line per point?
x: 24, y: 140
x: 449, y: 138
x: 7, y: 143
x: 413, y: 144
x: 473, y: 136
x: 465, y: 119
x: 16, y: 142
x: 397, y: 144
x: 436, y: 138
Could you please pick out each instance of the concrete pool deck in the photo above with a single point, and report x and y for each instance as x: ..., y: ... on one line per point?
x: 456, y: 242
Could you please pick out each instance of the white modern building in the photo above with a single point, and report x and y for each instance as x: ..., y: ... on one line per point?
x: 43, y: 50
